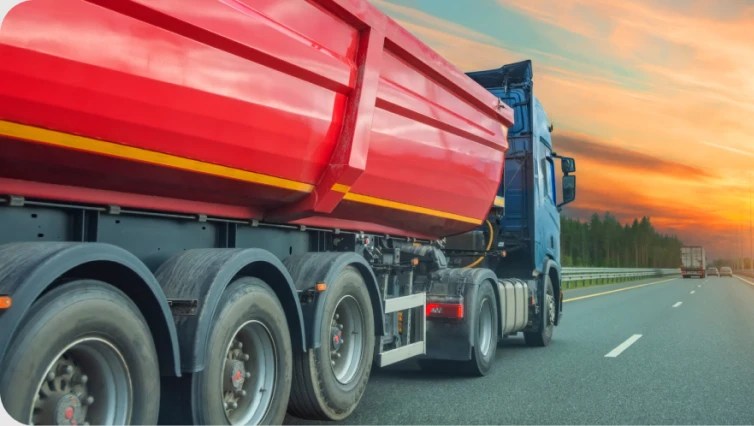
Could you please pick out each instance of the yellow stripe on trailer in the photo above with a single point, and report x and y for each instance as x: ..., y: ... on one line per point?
x: 111, y: 149
x: 395, y: 205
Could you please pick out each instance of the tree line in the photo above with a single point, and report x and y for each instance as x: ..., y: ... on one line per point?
x: 603, y: 242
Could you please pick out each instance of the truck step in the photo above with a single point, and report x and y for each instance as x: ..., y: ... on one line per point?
x: 406, y: 303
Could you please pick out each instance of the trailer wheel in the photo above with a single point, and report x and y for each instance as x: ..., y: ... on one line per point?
x: 329, y: 381
x: 84, y: 355
x: 247, y: 378
x: 485, y: 332
x: 543, y: 336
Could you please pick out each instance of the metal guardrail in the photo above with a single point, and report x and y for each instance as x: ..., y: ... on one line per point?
x: 590, y: 274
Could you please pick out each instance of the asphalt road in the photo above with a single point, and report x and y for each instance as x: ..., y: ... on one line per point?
x: 693, y: 364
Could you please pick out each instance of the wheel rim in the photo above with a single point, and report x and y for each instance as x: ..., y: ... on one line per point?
x: 550, y: 309
x: 485, y: 328
x: 87, y: 382
x: 249, y: 374
x: 346, y: 339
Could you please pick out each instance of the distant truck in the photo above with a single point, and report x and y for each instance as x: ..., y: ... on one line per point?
x: 693, y: 262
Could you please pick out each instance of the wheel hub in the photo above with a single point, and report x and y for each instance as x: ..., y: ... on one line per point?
x: 337, y: 337
x: 346, y: 339
x: 61, y: 399
x: 69, y: 410
x: 485, y: 328
x: 236, y: 373
x: 88, y: 381
x: 246, y: 397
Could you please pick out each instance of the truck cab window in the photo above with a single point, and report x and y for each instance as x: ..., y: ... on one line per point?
x: 551, y: 180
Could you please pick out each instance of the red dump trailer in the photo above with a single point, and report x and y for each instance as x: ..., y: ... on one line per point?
x: 231, y: 204
x: 246, y: 109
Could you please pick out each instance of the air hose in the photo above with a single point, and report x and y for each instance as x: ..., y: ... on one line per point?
x: 489, y: 245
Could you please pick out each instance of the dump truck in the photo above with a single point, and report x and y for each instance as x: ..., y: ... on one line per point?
x: 693, y: 262
x: 220, y: 212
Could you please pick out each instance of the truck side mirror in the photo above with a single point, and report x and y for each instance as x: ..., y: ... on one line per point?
x: 567, y: 165
x: 569, y: 189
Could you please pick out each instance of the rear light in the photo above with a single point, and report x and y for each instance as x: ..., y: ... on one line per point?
x: 445, y: 310
x: 5, y: 302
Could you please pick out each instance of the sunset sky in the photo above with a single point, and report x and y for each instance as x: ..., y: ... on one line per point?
x: 655, y: 98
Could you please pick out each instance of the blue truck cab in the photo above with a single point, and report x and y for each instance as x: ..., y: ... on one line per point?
x: 515, y: 255
x: 527, y: 231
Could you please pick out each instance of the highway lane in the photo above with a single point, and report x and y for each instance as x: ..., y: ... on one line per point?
x: 692, y: 364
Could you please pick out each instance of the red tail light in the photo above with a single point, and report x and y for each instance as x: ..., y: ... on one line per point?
x: 445, y: 310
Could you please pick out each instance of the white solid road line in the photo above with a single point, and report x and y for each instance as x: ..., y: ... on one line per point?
x: 623, y: 346
x: 745, y: 280
x: 615, y: 291
x: 677, y: 304
x: 693, y: 291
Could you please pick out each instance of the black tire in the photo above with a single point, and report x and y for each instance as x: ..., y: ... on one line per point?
x: 317, y: 393
x: 543, y: 336
x: 249, y: 312
x: 485, y: 332
x: 75, y: 339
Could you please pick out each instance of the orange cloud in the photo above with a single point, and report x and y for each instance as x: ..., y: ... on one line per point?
x: 586, y: 149
x: 698, y: 205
